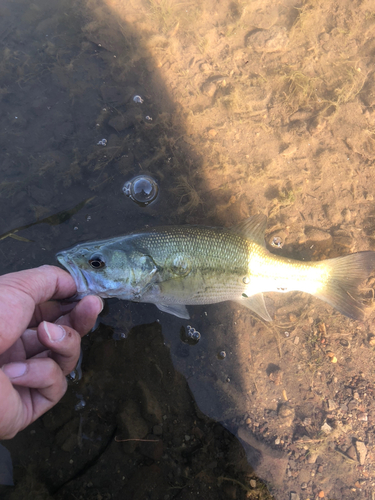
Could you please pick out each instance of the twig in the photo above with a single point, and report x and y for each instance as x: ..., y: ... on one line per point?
x: 135, y: 439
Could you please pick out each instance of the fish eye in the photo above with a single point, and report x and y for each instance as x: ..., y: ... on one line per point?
x: 96, y: 262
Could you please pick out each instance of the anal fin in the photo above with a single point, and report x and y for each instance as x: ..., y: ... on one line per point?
x: 178, y: 310
x: 256, y: 303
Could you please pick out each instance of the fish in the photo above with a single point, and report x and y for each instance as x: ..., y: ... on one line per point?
x: 178, y: 266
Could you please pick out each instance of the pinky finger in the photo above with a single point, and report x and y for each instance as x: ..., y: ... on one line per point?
x: 45, y: 380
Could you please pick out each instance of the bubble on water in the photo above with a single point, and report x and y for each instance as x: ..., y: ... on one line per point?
x: 277, y: 242
x: 221, y: 355
x: 119, y: 335
x: 193, y: 333
x: 142, y: 189
x: 103, y: 142
x: 80, y: 405
x: 138, y: 99
x: 287, y: 334
x: 189, y: 335
x: 148, y: 118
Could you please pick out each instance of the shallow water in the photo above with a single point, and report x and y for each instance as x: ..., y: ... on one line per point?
x: 244, y: 107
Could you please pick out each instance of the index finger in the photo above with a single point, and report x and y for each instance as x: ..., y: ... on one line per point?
x: 20, y: 292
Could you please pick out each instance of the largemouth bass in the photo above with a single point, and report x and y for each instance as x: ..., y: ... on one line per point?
x: 176, y: 266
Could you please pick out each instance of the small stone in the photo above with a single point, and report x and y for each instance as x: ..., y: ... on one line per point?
x: 326, y: 428
x: 300, y: 115
x: 351, y: 453
x: 296, y: 340
x: 304, y: 486
x: 248, y: 421
x: 253, y: 483
x: 294, y: 496
x: 276, y: 376
x: 321, y: 494
x: 331, y: 405
x: 347, y: 215
x: 212, y: 132
x: 187, y: 437
x: 209, y: 89
x: 315, y: 235
x: 277, y: 441
x: 122, y: 122
x: 371, y: 340
x: 362, y: 417
x: 157, y: 430
x: 346, y: 343
x: 312, y: 457
x: 361, y: 451
x: 286, y: 414
x: 271, y: 40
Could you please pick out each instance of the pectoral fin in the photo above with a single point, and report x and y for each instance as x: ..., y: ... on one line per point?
x: 256, y: 304
x: 176, y: 309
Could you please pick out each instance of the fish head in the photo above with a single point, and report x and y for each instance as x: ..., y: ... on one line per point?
x: 108, y: 269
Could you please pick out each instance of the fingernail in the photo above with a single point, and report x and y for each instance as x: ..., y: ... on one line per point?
x: 101, y: 304
x: 55, y: 332
x: 14, y: 370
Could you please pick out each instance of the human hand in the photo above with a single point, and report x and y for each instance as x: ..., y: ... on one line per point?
x: 39, y: 342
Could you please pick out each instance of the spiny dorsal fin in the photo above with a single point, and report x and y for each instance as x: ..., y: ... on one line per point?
x: 252, y: 228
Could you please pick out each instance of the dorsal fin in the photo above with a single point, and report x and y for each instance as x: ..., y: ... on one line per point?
x: 252, y: 228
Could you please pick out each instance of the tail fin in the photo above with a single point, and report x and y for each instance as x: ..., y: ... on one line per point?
x: 346, y: 274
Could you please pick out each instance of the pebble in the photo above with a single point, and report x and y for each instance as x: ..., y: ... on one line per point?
x: 371, y: 340
x: 351, y: 453
x: 286, y: 414
x: 347, y: 215
x: 300, y: 115
x: 271, y: 40
x: 209, y: 89
x: 331, y: 405
x: 294, y: 496
x: 326, y: 428
x: 253, y: 483
x: 321, y: 494
x: 318, y: 236
x: 361, y: 451
x: 362, y: 417
x: 311, y: 459
x: 157, y: 430
x: 121, y: 122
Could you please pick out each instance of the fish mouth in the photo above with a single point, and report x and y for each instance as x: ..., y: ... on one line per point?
x: 77, y: 275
